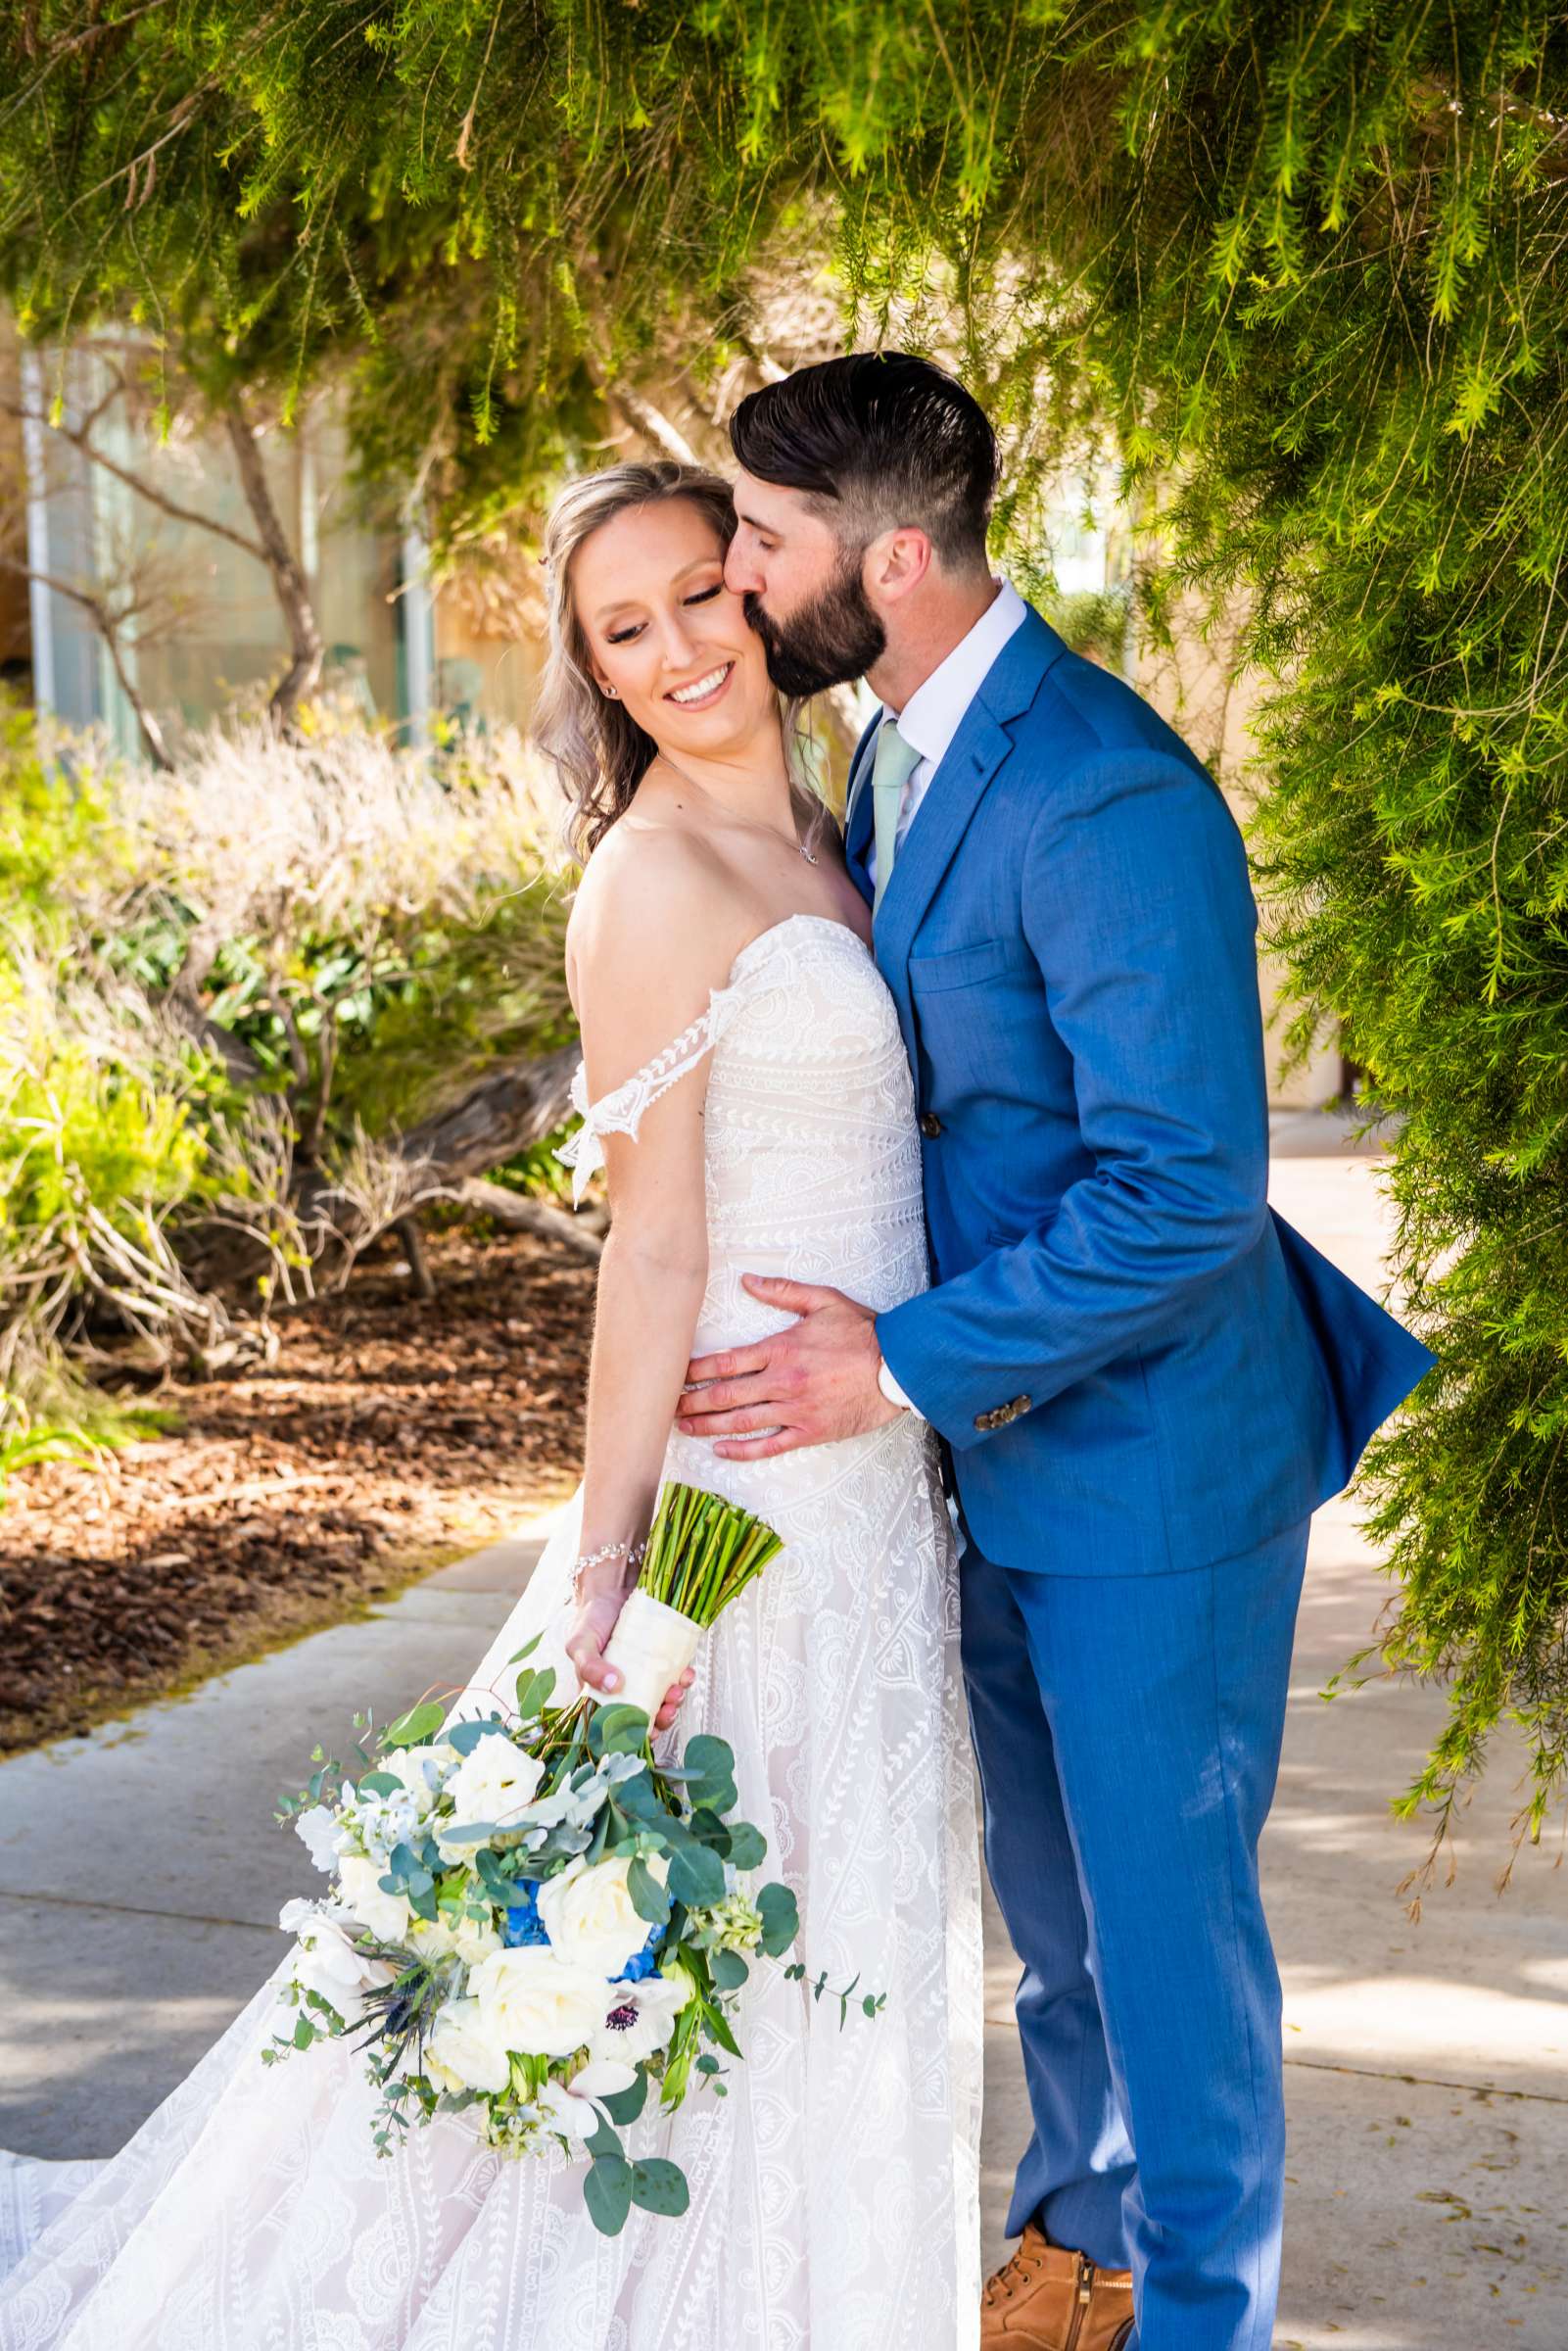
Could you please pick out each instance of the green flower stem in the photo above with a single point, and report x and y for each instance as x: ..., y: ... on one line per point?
x: 703, y: 1551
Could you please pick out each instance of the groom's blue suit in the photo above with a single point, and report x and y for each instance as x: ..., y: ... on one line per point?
x: 1147, y: 1382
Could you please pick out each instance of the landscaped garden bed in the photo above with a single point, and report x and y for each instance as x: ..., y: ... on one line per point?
x: 390, y: 1435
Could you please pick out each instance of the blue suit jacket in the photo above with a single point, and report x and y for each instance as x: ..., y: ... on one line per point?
x: 1136, y: 1364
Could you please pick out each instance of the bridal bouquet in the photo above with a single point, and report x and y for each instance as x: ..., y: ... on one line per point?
x: 532, y: 1921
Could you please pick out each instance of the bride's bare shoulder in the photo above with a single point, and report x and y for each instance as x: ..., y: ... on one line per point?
x: 655, y: 904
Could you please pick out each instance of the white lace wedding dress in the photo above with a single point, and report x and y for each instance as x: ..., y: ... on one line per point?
x: 835, y: 2189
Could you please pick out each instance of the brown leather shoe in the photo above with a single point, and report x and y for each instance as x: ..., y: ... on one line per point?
x: 1047, y: 2298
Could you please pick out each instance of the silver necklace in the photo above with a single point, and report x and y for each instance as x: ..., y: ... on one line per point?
x: 810, y: 855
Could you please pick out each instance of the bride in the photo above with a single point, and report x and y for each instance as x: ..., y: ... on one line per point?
x: 747, y: 1091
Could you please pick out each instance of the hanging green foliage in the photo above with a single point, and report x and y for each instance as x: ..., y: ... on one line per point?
x: 1302, y: 266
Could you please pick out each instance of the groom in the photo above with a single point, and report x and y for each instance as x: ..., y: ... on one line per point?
x: 1144, y: 1381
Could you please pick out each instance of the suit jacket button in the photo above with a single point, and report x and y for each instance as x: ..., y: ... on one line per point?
x: 929, y: 1123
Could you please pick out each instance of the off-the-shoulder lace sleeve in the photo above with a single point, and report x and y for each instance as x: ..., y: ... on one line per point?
x: 622, y: 1112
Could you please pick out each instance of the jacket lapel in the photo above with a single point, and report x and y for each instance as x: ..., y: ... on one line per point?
x: 972, y: 761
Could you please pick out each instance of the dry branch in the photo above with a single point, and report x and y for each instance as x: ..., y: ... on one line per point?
x: 513, y: 1212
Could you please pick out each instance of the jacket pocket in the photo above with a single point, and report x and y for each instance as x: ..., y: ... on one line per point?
x: 960, y: 967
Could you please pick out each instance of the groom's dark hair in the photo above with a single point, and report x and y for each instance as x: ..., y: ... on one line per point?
x: 880, y: 439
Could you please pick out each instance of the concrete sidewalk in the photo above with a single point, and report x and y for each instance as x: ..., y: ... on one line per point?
x: 1428, y: 2066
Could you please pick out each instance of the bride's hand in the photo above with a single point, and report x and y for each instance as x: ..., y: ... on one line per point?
x: 591, y: 1623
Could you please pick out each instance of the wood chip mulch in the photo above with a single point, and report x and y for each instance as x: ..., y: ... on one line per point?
x: 392, y: 1434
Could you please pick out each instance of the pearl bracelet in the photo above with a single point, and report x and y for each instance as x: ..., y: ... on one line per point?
x: 631, y: 1553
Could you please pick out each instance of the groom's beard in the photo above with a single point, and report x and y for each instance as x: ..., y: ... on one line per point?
x: 832, y: 639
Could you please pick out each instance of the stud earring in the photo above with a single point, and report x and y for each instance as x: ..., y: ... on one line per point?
x: 613, y: 691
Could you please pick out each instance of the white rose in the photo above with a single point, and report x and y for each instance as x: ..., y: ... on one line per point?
x: 326, y: 1961
x: 589, y: 1915
x: 386, y: 1915
x: 466, y: 2050
x: 534, y: 2004
x: 573, y: 2107
x: 441, y: 2075
x: 639, y: 2018
x: 455, y: 1932
x: 493, y: 1783
x: 323, y: 1835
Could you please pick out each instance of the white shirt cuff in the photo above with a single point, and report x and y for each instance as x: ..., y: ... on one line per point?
x: 895, y: 1394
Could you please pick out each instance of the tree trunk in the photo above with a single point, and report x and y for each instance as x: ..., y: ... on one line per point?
x: 109, y: 627
x: 513, y: 1212
x: 414, y: 1250
x: 288, y: 581
x: 515, y: 1104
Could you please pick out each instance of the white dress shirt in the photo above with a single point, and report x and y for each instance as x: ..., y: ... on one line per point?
x: 928, y: 722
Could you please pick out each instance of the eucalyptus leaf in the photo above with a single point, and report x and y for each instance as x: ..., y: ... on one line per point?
x: 495, y: 1883
x: 465, y: 1735
x: 416, y: 1726
x: 697, y: 1877
x: 729, y: 1970
x: 709, y: 1757
x: 748, y: 1848
x: 607, y: 2193
x: 628, y: 2104
x: 706, y: 1826
x: 640, y: 1798
x: 649, y: 1899
x: 618, y: 1730
x: 781, y: 1919
x: 658, y: 2186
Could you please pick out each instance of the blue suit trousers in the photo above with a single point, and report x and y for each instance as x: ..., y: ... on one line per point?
x: 1128, y: 1732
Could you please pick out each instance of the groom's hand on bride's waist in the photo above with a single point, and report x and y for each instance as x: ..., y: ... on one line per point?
x: 806, y: 1385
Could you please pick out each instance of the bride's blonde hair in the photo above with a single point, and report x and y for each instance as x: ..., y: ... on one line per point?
x: 599, y: 752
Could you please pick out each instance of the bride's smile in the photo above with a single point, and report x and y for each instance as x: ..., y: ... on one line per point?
x: 706, y: 690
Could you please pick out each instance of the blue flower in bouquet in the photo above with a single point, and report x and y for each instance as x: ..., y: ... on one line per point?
x: 522, y: 1924
x: 638, y: 1968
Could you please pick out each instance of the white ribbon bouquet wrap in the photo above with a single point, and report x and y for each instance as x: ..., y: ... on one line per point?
x: 702, y: 1552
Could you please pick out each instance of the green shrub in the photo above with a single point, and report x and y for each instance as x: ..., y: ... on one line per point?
x: 280, y: 957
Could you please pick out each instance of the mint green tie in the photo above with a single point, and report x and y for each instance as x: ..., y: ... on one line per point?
x: 893, y: 765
